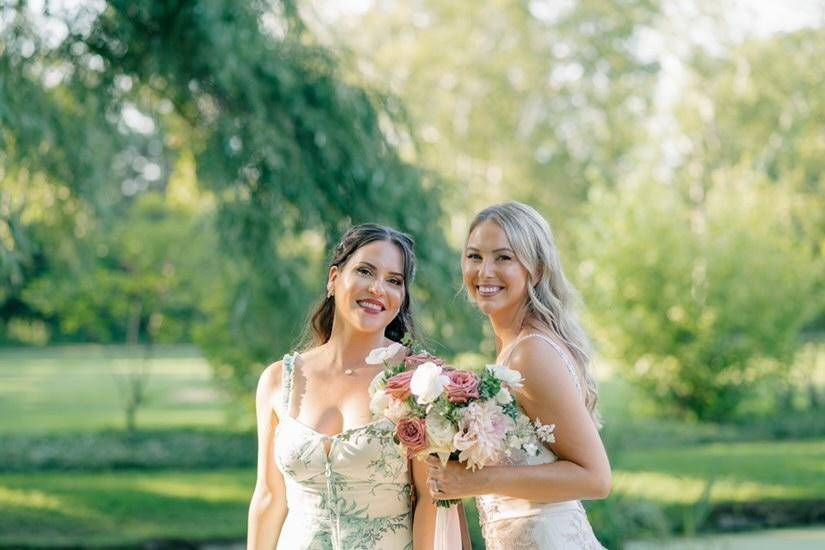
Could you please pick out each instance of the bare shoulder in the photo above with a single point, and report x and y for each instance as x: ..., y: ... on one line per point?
x: 270, y: 382
x: 272, y: 375
x: 541, y: 363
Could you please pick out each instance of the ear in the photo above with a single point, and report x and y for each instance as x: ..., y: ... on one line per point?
x: 331, y: 277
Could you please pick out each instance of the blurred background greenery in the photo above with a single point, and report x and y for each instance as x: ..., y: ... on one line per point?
x: 173, y: 172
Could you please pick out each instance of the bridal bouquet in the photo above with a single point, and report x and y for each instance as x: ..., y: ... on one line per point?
x: 467, y: 415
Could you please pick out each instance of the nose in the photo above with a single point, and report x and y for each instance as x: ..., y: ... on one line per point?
x: 486, y: 268
x: 377, y: 287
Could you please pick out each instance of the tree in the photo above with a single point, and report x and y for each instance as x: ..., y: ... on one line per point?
x: 529, y: 100
x: 689, y: 297
x: 290, y: 153
x: 759, y: 107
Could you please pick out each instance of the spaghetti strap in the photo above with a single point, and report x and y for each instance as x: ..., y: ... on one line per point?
x: 565, y: 357
x: 288, y: 377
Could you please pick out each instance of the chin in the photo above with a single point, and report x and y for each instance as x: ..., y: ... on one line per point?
x: 488, y: 307
x: 371, y: 325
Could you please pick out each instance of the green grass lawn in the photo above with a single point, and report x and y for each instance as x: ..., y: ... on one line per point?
x: 751, y: 471
x: 104, y: 508
x: 100, y: 509
x: 74, y: 388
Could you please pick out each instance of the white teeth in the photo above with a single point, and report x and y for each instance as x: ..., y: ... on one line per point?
x: 370, y: 306
x: 489, y: 289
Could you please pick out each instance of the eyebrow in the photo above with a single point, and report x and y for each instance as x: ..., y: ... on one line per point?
x: 494, y: 251
x: 376, y: 269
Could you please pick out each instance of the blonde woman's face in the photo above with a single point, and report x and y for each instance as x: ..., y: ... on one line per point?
x: 496, y: 281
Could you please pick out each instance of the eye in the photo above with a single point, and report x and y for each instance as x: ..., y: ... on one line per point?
x: 473, y: 256
x: 363, y: 271
x: 396, y: 281
x: 504, y: 258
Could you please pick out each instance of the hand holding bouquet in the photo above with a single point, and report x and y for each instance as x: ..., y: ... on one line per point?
x: 467, y: 415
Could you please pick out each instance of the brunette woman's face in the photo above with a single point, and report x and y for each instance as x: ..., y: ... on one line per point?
x: 496, y: 281
x: 370, y: 287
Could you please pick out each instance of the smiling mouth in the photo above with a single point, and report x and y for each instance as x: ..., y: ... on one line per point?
x: 488, y: 290
x: 371, y: 306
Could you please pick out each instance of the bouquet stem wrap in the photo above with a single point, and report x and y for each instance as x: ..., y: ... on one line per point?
x: 447, y: 528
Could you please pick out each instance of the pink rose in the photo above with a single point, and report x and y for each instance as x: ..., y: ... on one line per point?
x: 412, y: 361
x: 399, y: 385
x: 462, y: 387
x: 412, y: 433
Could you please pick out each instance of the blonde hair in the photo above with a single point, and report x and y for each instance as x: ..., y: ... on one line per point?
x: 551, y: 298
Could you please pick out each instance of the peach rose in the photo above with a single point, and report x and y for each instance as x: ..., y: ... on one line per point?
x: 399, y: 385
x: 462, y: 387
x: 412, y: 433
x: 412, y: 361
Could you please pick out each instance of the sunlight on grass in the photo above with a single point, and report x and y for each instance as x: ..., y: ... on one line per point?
x: 71, y: 388
x: 82, y: 509
x: 741, y: 472
x: 669, y: 489
x: 28, y: 501
x: 212, y: 492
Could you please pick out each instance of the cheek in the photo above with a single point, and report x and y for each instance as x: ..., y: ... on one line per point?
x: 398, y: 298
x: 467, y: 273
x: 353, y: 282
x: 517, y: 278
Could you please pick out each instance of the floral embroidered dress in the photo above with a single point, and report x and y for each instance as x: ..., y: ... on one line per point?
x: 518, y: 524
x: 350, y: 491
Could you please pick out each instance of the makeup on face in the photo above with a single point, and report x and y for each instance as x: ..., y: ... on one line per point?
x: 370, y: 288
x: 494, y: 277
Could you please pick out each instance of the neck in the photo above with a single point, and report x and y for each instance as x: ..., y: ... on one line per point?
x: 348, y: 348
x: 507, y: 326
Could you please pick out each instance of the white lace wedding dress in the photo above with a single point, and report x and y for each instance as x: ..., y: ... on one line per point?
x: 518, y: 524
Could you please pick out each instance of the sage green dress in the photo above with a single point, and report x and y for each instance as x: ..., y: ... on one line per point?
x: 356, y: 496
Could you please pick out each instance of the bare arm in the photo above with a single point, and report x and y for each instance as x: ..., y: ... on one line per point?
x: 424, y: 514
x: 268, y: 509
x: 550, y: 394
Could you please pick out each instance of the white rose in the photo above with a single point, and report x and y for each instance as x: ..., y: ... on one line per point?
x: 379, y: 403
x: 507, y: 375
x: 396, y: 410
x: 503, y: 396
x: 379, y: 356
x: 440, y: 433
x: 427, y: 382
x: 377, y: 384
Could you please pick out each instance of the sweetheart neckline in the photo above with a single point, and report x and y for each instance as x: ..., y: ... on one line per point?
x: 339, y: 434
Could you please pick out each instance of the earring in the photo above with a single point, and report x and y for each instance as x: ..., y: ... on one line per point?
x: 330, y: 293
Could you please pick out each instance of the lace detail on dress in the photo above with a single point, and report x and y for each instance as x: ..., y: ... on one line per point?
x: 563, y: 530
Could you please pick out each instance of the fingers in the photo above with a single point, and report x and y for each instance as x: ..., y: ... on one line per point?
x: 435, y: 477
x: 432, y: 485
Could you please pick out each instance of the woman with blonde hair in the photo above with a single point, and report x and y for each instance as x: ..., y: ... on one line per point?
x: 512, y: 272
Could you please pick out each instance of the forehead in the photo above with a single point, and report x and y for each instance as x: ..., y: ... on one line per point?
x: 381, y: 254
x: 488, y: 235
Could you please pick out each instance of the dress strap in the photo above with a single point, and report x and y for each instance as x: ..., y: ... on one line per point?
x: 288, y: 378
x: 565, y: 357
